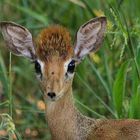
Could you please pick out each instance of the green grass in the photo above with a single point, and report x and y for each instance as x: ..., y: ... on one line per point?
x: 104, y: 88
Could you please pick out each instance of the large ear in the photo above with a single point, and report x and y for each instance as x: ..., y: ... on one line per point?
x: 18, y: 39
x: 89, y: 37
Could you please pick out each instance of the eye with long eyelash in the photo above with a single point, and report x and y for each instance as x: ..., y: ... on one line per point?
x: 71, y: 67
x: 37, y: 67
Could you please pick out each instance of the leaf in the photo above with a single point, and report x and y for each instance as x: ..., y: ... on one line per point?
x: 3, y: 76
x: 119, y: 88
x: 135, y: 78
x: 134, y: 111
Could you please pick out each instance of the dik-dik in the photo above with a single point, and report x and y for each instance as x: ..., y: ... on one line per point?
x: 55, y: 61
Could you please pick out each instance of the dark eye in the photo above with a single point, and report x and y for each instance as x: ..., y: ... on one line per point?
x: 71, y: 67
x: 37, y: 67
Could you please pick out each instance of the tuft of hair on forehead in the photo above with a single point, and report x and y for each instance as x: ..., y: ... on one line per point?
x: 54, y: 41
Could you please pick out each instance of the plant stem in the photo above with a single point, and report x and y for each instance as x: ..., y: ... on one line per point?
x: 10, y: 86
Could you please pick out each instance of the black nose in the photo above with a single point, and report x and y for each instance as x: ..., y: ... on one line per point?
x: 51, y: 94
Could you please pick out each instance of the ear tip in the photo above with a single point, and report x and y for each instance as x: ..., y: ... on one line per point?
x: 103, y: 19
x: 1, y: 24
x: 4, y: 23
x: 10, y: 23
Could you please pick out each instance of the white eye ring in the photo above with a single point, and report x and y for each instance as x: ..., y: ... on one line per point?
x: 42, y: 65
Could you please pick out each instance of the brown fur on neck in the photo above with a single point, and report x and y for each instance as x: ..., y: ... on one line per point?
x: 54, y: 40
x: 65, y: 121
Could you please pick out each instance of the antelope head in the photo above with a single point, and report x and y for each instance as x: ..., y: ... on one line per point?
x: 52, y: 53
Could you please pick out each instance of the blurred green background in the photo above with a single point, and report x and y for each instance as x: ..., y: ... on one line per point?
x: 106, y: 84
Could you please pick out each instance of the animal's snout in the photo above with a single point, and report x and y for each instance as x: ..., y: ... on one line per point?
x: 51, y: 95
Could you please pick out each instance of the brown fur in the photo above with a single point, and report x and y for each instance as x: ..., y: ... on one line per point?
x: 67, y: 123
x: 64, y: 120
x: 116, y: 130
x: 53, y: 75
x: 54, y: 40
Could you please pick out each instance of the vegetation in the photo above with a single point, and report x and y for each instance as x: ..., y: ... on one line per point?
x: 106, y: 85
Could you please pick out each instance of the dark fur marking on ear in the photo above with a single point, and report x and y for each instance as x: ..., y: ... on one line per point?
x: 102, y: 19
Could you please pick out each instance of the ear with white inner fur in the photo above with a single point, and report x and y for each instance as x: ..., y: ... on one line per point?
x: 18, y: 39
x: 89, y: 37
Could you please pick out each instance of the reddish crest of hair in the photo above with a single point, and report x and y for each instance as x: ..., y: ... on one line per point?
x: 54, y: 40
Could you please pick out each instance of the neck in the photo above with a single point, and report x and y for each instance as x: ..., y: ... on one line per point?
x: 64, y: 121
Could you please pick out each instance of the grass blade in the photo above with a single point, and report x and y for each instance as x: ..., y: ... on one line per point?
x: 30, y: 12
x: 89, y: 109
x: 100, y: 79
x: 97, y: 97
x: 134, y: 111
x: 119, y: 88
